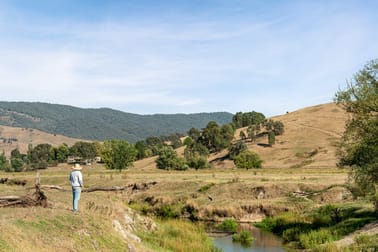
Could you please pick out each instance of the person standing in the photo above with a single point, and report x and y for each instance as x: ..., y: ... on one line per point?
x: 76, y: 178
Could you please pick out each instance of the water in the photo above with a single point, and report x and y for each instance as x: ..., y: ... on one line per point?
x: 263, y: 242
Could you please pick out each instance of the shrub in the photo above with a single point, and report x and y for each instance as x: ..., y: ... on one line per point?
x: 315, y: 238
x: 16, y: 164
x: 292, y: 234
x: 229, y: 225
x: 244, y: 237
x: 169, y: 160
x: 3, y: 161
x: 283, y: 222
x: 166, y: 212
x: 198, y: 162
x: 248, y: 159
x: 327, y: 215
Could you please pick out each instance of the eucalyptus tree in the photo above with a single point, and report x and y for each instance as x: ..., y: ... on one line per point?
x: 359, y: 144
x: 118, y: 154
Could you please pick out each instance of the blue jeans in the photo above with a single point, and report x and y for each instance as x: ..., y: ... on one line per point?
x: 76, y: 191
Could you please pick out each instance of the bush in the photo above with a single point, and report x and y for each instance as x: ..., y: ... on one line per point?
x: 285, y: 221
x: 248, y: 159
x: 292, y: 234
x: 229, y: 225
x: 3, y: 161
x: 315, y: 238
x: 166, y: 212
x: 244, y: 237
x: 198, y: 162
x: 16, y: 164
x: 327, y: 215
x: 169, y: 160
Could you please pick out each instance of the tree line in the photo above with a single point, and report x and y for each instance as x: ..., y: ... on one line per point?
x: 199, y: 144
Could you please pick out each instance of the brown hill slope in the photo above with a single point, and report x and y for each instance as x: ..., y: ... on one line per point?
x: 13, y: 137
x: 309, y: 140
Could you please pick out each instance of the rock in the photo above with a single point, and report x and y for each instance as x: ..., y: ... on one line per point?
x: 124, y: 232
x: 261, y: 195
x: 130, y: 248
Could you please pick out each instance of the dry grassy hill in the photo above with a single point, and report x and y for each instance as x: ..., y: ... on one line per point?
x: 21, y: 137
x: 309, y: 140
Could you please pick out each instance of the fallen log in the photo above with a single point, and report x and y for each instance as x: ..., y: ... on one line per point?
x: 10, y: 198
x: 105, y: 189
x: 133, y: 187
x: 53, y: 187
x: 38, y: 198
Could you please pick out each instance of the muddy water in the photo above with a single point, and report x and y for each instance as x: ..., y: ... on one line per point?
x: 263, y: 241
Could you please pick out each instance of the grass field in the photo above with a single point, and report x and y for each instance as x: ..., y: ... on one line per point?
x: 247, y: 195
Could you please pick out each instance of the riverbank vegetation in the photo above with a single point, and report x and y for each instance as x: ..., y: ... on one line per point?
x: 319, y: 228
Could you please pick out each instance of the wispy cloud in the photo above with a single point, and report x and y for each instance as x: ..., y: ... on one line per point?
x: 240, y: 57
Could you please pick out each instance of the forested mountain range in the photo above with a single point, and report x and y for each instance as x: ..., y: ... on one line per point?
x: 102, y: 123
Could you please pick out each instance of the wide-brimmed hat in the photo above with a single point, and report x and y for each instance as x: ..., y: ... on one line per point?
x: 76, y: 167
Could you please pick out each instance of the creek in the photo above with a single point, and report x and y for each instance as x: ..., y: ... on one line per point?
x: 263, y: 241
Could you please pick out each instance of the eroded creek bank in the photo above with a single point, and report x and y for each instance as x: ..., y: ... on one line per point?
x: 243, y: 202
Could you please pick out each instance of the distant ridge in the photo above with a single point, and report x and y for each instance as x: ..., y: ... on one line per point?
x: 103, y: 123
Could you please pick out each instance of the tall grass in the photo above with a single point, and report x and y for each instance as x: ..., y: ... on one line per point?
x: 60, y: 233
x: 315, y: 238
x: 178, y: 236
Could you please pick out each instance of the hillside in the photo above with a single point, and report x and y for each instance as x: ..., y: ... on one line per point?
x: 309, y: 140
x: 103, y: 123
x: 14, y: 137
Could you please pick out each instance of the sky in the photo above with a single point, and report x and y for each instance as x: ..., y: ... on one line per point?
x: 176, y: 56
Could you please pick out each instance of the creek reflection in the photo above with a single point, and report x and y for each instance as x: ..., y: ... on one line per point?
x: 263, y: 241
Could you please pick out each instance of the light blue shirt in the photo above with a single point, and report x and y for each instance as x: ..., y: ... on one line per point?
x: 76, y: 178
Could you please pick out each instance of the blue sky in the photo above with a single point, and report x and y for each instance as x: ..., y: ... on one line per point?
x: 191, y: 56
